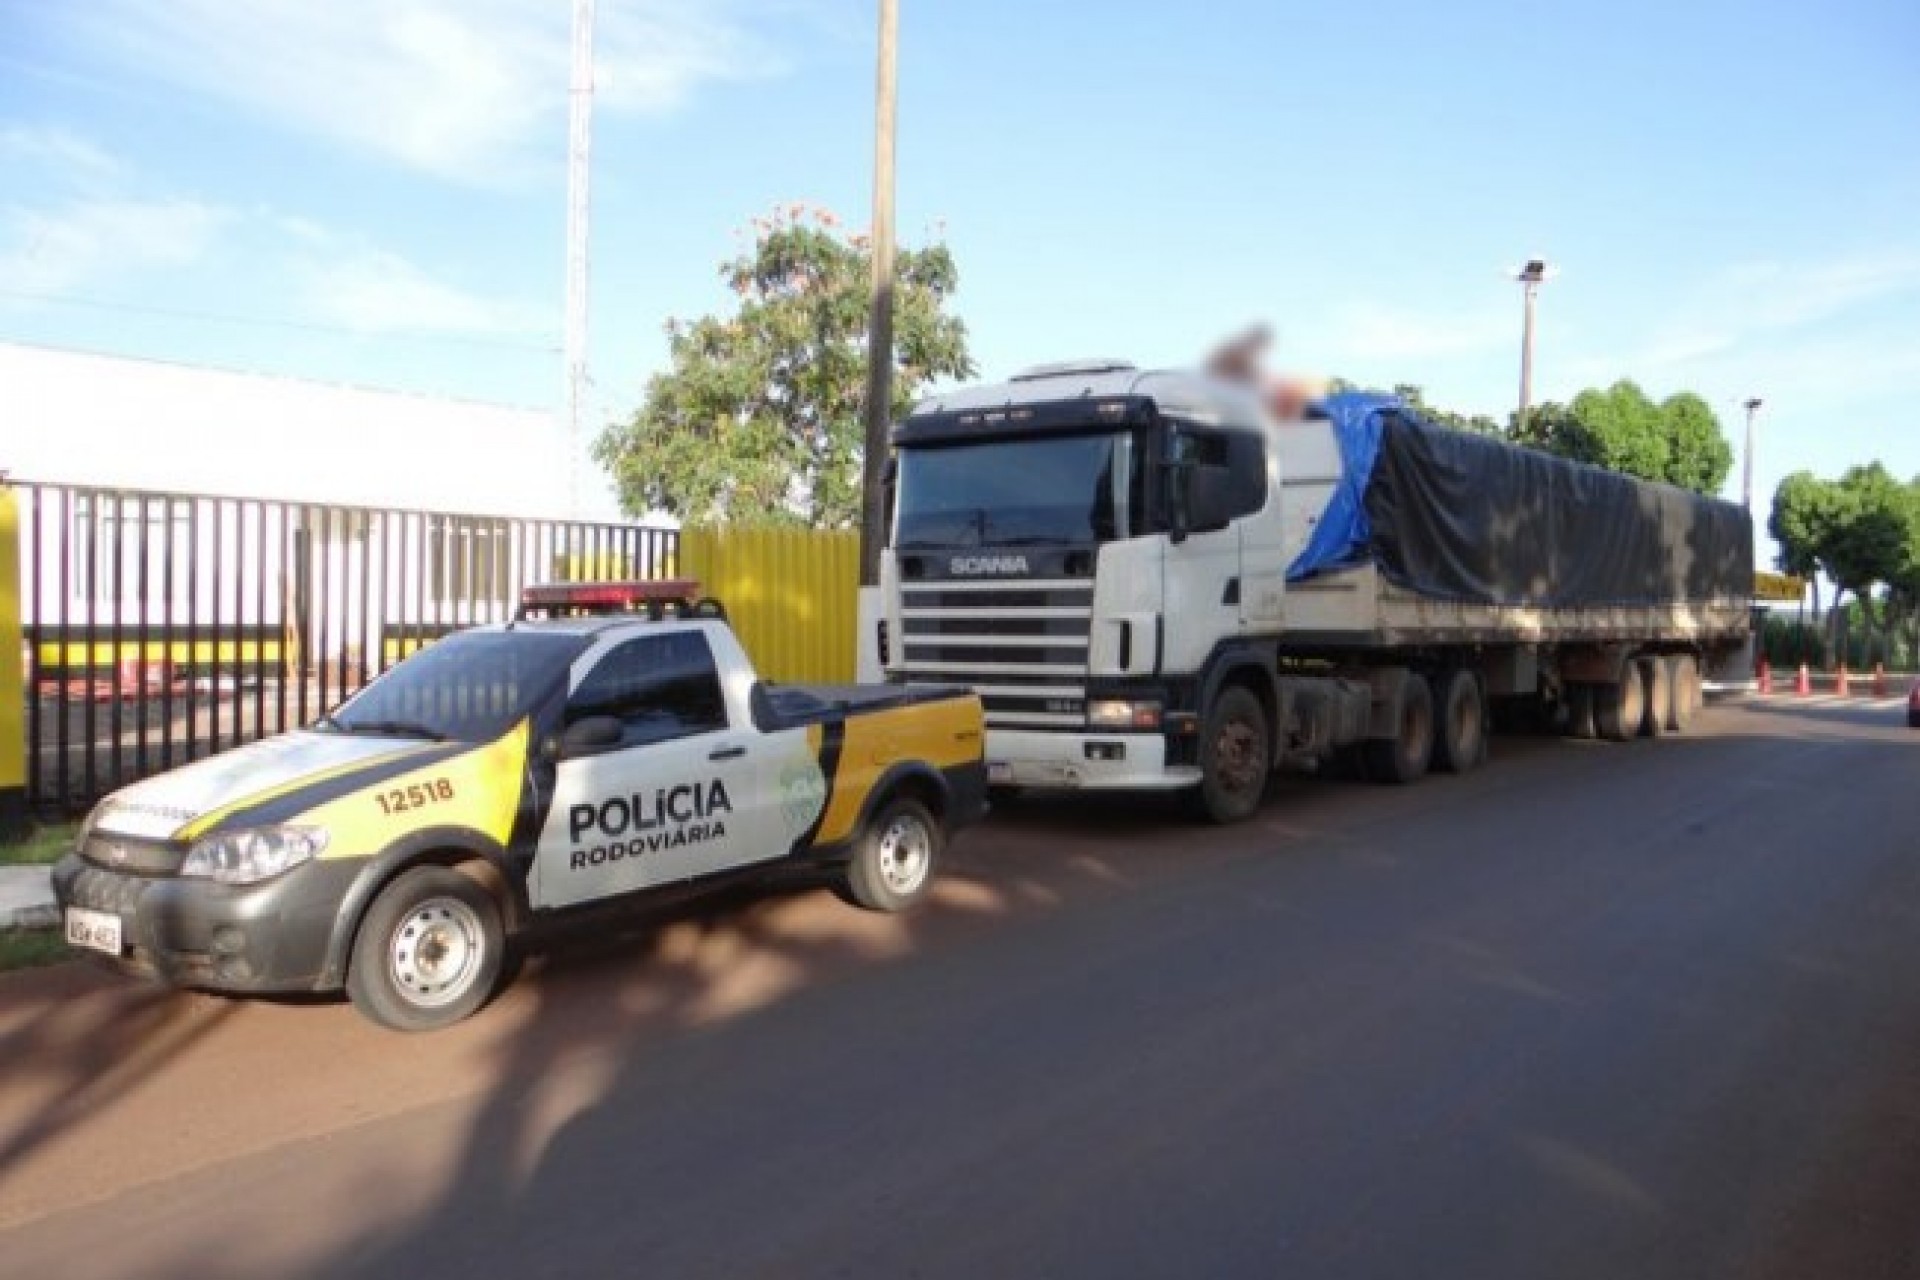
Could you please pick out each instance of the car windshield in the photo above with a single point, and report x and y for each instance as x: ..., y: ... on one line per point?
x: 469, y: 687
x: 1042, y: 490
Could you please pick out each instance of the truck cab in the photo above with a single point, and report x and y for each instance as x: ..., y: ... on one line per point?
x: 1080, y: 545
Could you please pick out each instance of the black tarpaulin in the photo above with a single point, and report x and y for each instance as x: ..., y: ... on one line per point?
x: 1469, y: 518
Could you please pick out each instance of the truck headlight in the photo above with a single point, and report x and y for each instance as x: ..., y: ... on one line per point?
x: 244, y: 857
x: 1119, y: 713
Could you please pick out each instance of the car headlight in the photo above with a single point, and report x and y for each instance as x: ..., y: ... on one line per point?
x: 244, y: 857
x: 87, y: 824
x: 1118, y: 713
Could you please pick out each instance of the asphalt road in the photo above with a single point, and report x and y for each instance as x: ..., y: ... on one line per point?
x: 1599, y: 1011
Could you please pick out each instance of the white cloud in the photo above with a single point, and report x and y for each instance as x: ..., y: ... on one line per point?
x: 378, y: 292
x: 89, y: 243
x: 462, y: 89
x: 1757, y: 303
x: 57, y: 152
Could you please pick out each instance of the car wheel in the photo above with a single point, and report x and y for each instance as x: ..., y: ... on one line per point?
x: 428, y: 951
x: 893, y: 860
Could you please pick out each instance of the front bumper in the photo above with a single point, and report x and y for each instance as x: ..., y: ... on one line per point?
x: 1088, y: 760
x: 190, y: 932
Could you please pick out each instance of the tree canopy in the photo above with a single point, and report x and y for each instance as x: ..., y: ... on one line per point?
x: 758, y: 416
x: 1862, y: 531
x: 1677, y: 440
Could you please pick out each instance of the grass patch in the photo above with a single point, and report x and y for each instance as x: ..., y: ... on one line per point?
x: 31, y: 948
x: 43, y: 844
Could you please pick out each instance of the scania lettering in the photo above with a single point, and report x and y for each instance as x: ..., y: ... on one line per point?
x: 971, y: 566
x: 1206, y: 594
x: 582, y: 754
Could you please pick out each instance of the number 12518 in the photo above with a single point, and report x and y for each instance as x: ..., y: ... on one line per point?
x: 416, y: 796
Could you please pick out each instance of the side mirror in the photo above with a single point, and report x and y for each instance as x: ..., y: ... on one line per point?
x: 590, y: 734
x: 1209, y: 497
x: 1179, y: 475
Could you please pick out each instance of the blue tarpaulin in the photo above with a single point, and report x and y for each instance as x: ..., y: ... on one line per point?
x: 1342, y: 538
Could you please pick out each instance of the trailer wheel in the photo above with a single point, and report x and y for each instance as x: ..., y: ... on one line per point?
x: 1620, y: 706
x: 1657, y: 674
x: 1462, y: 740
x: 428, y: 951
x: 1685, y: 679
x: 1235, y: 757
x: 1404, y: 757
x: 892, y: 865
x: 1580, y: 711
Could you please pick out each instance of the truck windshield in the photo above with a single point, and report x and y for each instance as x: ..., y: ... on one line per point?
x: 470, y: 687
x: 1040, y: 490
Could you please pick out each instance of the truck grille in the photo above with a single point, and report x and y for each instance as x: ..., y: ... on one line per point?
x: 1022, y: 646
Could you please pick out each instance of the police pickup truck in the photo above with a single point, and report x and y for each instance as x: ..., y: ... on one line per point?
x: 611, y: 741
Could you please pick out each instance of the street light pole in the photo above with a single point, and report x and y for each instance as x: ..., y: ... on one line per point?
x: 879, y: 407
x: 1530, y: 275
x: 1746, y: 457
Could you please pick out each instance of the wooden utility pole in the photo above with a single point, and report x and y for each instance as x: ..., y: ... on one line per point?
x: 873, y: 507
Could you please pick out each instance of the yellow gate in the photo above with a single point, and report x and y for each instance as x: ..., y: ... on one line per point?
x: 791, y: 594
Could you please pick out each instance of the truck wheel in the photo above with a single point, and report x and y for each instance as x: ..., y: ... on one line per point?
x: 1657, y: 675
x: 1580, y: 711
x: 1405, y: 756
x: 428, y: 951
x: 1462, y: 742
x: 1685, y: 678
x: 892, y: 863
x: 1619, y: 707
x: 1235, y: 757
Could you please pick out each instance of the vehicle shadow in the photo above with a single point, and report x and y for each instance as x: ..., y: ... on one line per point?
x: 67, y: 1059
x: 545, y: 1170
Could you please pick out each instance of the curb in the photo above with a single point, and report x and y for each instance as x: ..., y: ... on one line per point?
x: 26, y: 899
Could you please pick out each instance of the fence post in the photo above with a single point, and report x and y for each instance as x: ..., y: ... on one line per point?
x: 13, y: 693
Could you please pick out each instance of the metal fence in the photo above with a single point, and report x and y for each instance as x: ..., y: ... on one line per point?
x: 162, y: 627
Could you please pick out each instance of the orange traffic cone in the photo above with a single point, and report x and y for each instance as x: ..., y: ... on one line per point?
x: 1766, y: 676
x: 1840, y: 681
x: 1803, y: 683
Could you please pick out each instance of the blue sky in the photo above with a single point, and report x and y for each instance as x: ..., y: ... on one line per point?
x: 371, y: 191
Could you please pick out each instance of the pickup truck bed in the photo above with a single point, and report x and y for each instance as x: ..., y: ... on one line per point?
x: 794, y: 706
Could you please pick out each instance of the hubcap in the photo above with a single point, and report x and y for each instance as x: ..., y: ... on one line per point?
x: 436, y: 951
x: 906, y: 853
x: 1237, y: 753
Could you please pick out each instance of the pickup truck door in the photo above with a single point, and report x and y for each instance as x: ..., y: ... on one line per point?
x: 678, y: 796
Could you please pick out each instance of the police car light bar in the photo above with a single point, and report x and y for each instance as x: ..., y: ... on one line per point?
x: 649, y: 595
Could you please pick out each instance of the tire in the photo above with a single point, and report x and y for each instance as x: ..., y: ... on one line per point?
x: 1657, y: 676
x: 1404, y: 757
x: 1236, y: 757
x: 1580, y: 711
x: 428, y: 951
x: 894, y: 860
x: 1684, y: 676
x: 1620, y: 707
x: 1461, y: 743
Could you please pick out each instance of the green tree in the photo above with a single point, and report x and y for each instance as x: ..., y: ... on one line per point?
x: 1871, y: 542
x: 1677, y: 441
x: 1698, y: 455
x: 1804, y: 510
x: 758, y: 417
x: 1479, y: 423
x: 1862, y: 532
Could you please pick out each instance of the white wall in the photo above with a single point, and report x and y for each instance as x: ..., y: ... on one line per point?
x: 106, y: 420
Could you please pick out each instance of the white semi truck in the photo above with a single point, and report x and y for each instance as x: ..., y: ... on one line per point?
x: 1153, y: 585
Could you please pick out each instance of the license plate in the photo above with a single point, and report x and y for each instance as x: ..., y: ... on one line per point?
x: 95, y: 930
x: 999, y: 773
